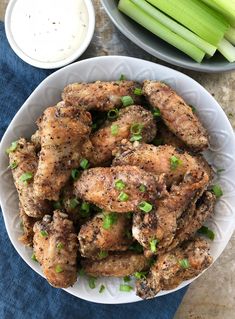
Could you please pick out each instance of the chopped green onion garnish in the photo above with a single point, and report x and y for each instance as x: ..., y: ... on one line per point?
x: 33, y: 257
x: 125, y: 288
x: 58, y: 269
x: 157, y: 141
x: 122, y: 77
x: 126, y: 279
x: 123, y: 197
x: 25, y: 177
x: 91, y: 282
x: 113, y: 114
x: 12, y: 148
x: 73, y: 203
x: 127, y: 100
x: 75, y: 173
x: 85, y: 209
x: 156, y: 112
x: 60, y: 246
x: 175, y: 162
x: 13, y: 165
x: 43, y: 233
x: 145, y: 207
x: 136, y: 247
x: 140, y: 274
x: 142, y: 188
x: 193, y: 108
x: 153, y: 245
x: 81, y: 272
x: 136, y: 128
x: 57, y: 205
x: 216, y: 189
x: 102, y: 288
x: 120, y: 185
x: 94, y: 126
x: 114, y: 129
x: 129, y: 215
x: 136, y: 138
x: 102, y: 254
x: 109, y: 220
x: 84, y: 163
x: 207, y: 232
x: 138, y: 91
x: 184, y: 263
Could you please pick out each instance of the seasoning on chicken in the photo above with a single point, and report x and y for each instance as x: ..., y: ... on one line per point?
x: 119, y: 189
x: 62, y: 131
x: 172, y: 268
x: 27, y: 225
x: 101, y: 96
x: 55, y: 248
x: 177, y: 115
x: 165, y: 136
x: 103, y: 233
x: 133, y: 122
x: 116, y: 265
x: 24, y: 162
x: 161, y: 224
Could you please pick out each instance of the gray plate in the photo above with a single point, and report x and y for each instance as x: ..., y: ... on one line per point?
x: 159, y: 48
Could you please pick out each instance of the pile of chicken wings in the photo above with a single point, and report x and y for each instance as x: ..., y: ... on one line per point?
x: 113, y: 181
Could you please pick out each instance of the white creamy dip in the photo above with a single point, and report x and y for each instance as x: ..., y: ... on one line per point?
x: 49, y: 30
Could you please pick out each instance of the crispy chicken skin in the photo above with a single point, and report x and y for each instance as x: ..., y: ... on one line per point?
x: 167, y: 272
x: 26, y: 161
x: 27, y: 224
x: 161, y: 224
x: 116, y: 265
x: 62, y: 131
x: 55, y: 247
x: 176, y: 114
x: 165, y: 136
x: 104, y: 141
x: 36, y: 140
x: 157, y: 160
x: 93, y: 238
x: 97, y: 185
x: 101, y: 96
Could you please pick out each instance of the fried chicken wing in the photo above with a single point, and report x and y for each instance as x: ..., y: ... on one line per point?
x: 62, y: 131
x: 165, y: 136
x: 174, y: 267
x: 24, y: 162
x: 101, y: 96
x: 27, y: 225
x: 117, y: 189
x: 112, y: 133
x: 55, y: 247
x: 116, y: 265
x: 94, y: 238
x: 176, y: 114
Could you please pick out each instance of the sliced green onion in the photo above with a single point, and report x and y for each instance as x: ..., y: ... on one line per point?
x: 207, y: 232
x: 94, y: 126
x: 57, y: 205
x: 102, y: 254
x: 120, y: 185
x: 157, y: 141
x: 138, y: 91
x: 33, y: 257
x: 140, y: 274
x: 81, y: 272
x: 73, y: 203
x: 145, y: 207
x: 113, y: 114
x: 127, y: 279
x: 216, y: 189
x: 123, y: 197
x: 136, y: 128
x: 25, y: 177
x: 13, y: 165
x: 109, y: 220
x: 153, y: 245
x: 138, y: 15
x: 114, y: 129
x: 127, y: 100
x: 136, y: 138
x: 125, y: 288
x: 92, y: 282
x: 58, y: 269
x: 60, y: 246
x: 122, y: 77
x: 193, y: 108
x: 75, y: 173
x: 142, y: 188
x: 43, y: 233
x: 129, y: 215
x: 102, y: 289
x: 175, y: 162
x: 85, y: 209
x: 13, y: 147
x: 84, y: 163
x: 184, y: 263
x: 136, y: 247
x: 156, y: 112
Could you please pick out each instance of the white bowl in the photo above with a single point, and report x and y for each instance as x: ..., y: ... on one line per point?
x: 220, y: 155
x: 63, y: 61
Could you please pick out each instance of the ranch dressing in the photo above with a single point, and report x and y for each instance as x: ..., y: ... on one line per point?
x: 49, y: 30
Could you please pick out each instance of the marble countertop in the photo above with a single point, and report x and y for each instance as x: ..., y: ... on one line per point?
x: 212, y: 296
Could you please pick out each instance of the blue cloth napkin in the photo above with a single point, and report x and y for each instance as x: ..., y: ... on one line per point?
x: 23, y: 293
